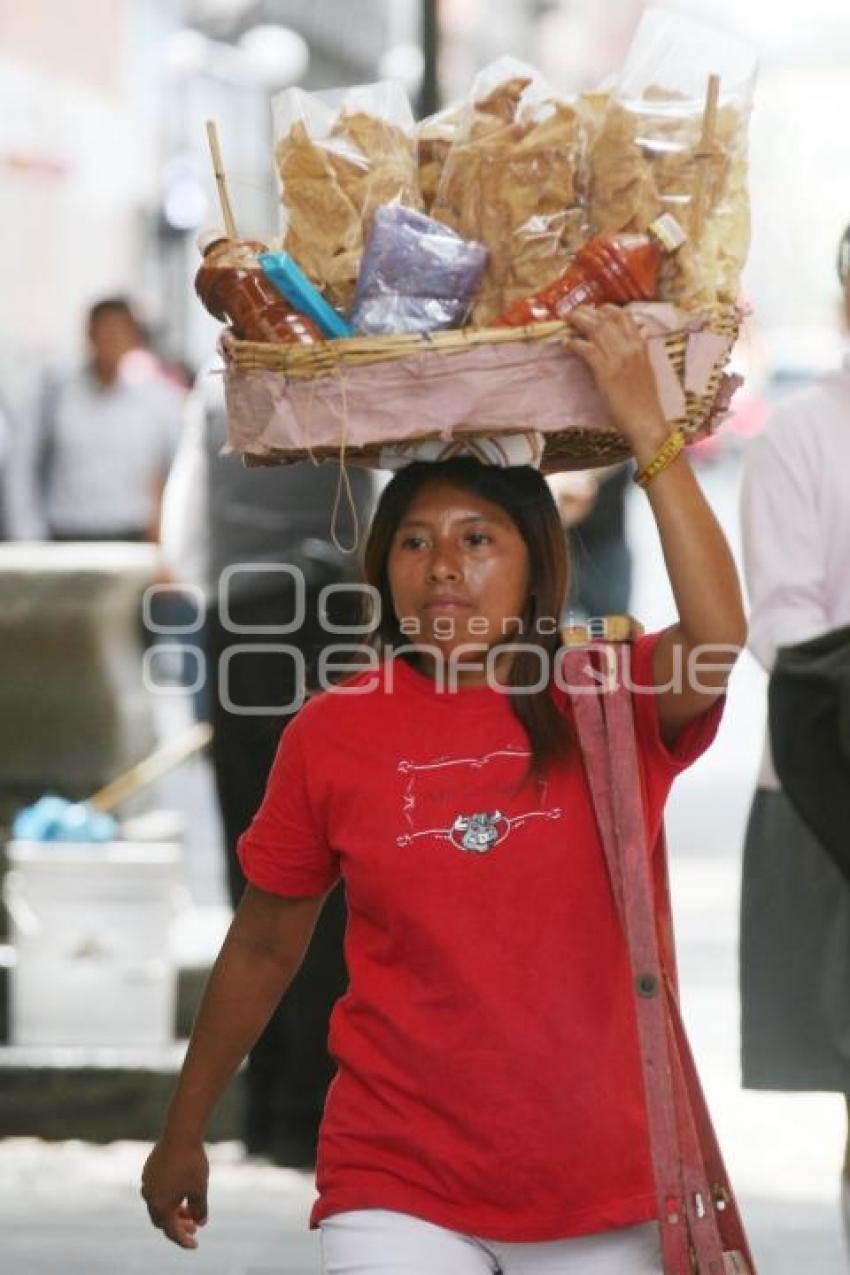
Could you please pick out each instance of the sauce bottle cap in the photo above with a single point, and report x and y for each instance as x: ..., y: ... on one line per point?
x: 206, y: 239
x: 668, y: 232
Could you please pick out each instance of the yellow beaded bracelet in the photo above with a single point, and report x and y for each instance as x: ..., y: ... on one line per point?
x: 663, y: 457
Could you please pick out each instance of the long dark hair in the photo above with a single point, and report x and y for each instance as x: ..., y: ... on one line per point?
x: 524, y: 495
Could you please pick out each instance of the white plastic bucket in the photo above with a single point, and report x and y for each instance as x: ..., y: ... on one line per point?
x: 91, y: 931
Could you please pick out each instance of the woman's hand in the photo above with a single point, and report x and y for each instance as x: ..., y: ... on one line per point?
x: 611, y: 344
x: 174, y: 1187
x: 260, y: 957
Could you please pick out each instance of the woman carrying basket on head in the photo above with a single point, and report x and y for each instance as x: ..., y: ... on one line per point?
x: 488, y: 1111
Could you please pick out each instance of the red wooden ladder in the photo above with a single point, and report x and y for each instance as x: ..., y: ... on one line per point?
x: 701, y: 1228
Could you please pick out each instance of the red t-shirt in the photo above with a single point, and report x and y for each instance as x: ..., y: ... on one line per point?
x: 488, y: 1075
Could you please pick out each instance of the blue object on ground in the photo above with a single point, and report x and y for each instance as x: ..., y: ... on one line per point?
x: 53, y: 818
x: 291, y: 282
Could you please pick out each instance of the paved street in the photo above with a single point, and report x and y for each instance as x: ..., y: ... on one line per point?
x: 74, y: 1210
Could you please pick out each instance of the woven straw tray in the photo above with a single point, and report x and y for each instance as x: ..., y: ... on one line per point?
x: 347, y: 399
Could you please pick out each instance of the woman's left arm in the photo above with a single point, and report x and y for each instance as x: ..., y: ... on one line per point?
x: 694, y: 657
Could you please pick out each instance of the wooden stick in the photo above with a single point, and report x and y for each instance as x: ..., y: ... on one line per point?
x: 157, y: 763
x: 221, y: 180
x: 703, y: 156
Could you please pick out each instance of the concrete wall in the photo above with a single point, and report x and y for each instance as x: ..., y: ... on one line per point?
x: 77, y: 171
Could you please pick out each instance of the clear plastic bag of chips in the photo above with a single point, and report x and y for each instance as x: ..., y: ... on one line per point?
x: 663, y: 146
x: 514, y: 181
x: 341, y: 155
x: 434, y: 137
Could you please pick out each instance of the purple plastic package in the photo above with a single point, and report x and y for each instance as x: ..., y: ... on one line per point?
x: 417, y: 275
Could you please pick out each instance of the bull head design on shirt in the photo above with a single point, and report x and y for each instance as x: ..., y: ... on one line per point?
x: 479, y: 832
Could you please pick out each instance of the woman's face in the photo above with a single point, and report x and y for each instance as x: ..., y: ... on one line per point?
x: 458, y: 570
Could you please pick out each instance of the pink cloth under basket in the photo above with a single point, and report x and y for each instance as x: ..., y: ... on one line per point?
x: 355, y: 409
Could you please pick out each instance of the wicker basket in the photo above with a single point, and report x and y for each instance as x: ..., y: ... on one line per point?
x: 294, y: 402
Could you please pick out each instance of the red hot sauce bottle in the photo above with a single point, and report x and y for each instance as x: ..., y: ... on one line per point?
x: 608, y: 268
x: 234, y: 289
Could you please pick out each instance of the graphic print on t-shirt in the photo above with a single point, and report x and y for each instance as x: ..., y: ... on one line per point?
x: 463, y: 801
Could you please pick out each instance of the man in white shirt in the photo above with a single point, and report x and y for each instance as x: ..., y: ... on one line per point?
x: 795, y: 925
x: 92, y: 462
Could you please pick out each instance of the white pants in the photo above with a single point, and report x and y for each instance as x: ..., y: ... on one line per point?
x: 380, y: 1242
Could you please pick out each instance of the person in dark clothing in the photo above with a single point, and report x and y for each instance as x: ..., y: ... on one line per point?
x: 257, y: 540
x: 592, y: 505
x: 5, y: 477
x: 600, y: 556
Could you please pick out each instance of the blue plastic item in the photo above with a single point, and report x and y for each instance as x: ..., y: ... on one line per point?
x: 53, y: 818
x: 292, y: 283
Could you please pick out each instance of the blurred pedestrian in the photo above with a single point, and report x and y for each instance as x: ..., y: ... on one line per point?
x: 5, y: 468
x: 93, y: 454
x: 256, y: 543
x: 599, y: 553
x: 489, y: 1110
x: 795, y: 916
x: 592, y: 505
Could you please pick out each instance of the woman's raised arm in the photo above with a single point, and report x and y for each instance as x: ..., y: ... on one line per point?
x: 694, y: 657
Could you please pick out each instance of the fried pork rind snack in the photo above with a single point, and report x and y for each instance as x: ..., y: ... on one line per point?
x: 339, y: 157
x: 645, y: 156
x: 514, y: 181
x: 434, y: 138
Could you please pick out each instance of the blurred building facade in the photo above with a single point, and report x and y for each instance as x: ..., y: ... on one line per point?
x: 78, y: 164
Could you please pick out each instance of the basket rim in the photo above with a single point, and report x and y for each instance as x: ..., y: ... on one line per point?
x: 312, y: 362
x: 449, y: 339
